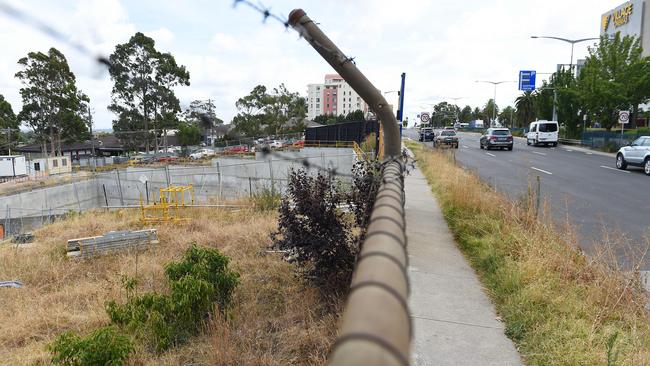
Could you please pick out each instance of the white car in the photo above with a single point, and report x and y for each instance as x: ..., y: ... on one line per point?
x: 200, y: 154
x: 276, y: 144
x: 543, y: 132
x: 636, y: 154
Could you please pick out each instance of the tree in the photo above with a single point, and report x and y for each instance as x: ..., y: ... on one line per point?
x: 9, y: 124
x: 465, y: 114
x: 261, y: 111
x: 615, y: 77
x: 355, y: 116
x: 444, y: 114
x: 143, y: 89
x: 568, y: 104
x: 490, y: 110
x: 525, y: 105
x: 52, y: 105
x: 188, y: 134
x: 543, y: 101
x: 203, y: 114
x: 506, y: 116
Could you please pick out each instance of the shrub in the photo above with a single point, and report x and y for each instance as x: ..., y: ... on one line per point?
x: 197, y: 282
x: 315, y: 233
x: 366, y: 178
x: 102, y: 347
x: 266, y: 199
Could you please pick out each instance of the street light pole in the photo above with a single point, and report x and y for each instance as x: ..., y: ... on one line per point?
x: 494, y: 101
x: 572, y: 41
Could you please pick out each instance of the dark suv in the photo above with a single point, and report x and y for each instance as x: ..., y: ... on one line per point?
x: 497, y: 137
x: 426, y: 134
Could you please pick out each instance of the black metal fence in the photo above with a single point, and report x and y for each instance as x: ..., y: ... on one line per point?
x: 350, y: 131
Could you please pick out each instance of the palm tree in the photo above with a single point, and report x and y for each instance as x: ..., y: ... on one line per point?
x: 525, y: 104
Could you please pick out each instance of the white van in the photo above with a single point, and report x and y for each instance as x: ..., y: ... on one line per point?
x: 543, y: 132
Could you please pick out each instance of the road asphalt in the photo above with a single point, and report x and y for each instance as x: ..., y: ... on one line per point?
x: 578, y: 185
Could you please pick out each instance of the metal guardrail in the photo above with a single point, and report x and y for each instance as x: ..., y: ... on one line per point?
x: 376, y: 324
x: 570, y: 141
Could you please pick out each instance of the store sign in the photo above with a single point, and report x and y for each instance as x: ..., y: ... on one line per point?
x: 622, y: 15
x: 625, y: 18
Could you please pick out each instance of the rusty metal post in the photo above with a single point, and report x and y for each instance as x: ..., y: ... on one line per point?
x: 299, y: 20
x: 376, y: 324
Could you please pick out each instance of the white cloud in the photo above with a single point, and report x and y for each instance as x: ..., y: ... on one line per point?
x: 224, y: 42
x: 442, y: 46
x: 162, y: 36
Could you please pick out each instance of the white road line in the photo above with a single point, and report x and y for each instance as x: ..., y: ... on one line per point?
x: 490, y: 154
x: 589, y: 153
x: 467, y: 147
x: 541, y: 170
x: 618, y: 170
x: 568, y: 150
x: 539, y: 153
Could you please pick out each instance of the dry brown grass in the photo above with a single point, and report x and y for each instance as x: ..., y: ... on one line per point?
x: 559, y: 306
x: 276, y: 319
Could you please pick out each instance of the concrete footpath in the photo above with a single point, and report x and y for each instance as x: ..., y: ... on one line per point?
x: 454, y: 321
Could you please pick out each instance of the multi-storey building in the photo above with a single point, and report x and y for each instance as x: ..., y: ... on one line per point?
x: 333, y: 97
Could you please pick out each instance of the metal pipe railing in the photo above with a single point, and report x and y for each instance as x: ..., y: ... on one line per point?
x: 376, y: 324
x: 345, y: 66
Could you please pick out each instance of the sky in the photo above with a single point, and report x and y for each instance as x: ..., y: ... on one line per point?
x: 442, y: 46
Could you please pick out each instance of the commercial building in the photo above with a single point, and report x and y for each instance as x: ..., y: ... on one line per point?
x: 333, y: 97
x: 630, y: 18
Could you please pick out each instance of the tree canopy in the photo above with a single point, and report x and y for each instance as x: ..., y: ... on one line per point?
x: 52, y: 105
x: 144, y: 79
x: 615, y: 77
x: 262, y: 111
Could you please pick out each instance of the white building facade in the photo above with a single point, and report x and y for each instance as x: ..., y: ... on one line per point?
x: 334, y: 97
x: 630, y: 18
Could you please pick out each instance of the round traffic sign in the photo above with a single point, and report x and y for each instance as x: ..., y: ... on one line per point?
x: 424, y: 117
x: 623, y: 116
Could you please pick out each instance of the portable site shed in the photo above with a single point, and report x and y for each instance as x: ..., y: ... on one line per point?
x: 12, y: 166
x: 50, y: 165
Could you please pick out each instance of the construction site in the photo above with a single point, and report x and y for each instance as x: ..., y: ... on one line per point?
x: 69, y: 248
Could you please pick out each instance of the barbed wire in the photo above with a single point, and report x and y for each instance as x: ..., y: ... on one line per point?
x: 22, y: 17
x: 302, y: 32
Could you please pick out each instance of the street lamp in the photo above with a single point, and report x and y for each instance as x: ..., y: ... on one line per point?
x: 494, y: 100
x: 572, y: 41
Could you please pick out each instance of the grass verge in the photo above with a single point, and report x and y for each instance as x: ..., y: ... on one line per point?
x: 559, y: 307
x: 275, y: 318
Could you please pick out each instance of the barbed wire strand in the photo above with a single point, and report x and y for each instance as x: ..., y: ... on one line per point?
x: 22, y: 17
x: 302, y: 32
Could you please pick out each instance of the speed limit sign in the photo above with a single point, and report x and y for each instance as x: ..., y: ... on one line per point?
x: 623, y: 117
x: 424, y: 117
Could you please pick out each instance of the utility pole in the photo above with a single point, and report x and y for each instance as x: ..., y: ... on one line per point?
x: 92, y: 138
x: 211, y: 122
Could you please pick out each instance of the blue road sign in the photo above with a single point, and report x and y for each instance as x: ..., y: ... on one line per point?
x: 527, y: 80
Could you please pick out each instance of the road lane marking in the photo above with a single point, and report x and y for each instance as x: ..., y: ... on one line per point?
x: 490, y: 154
x: 541, y: 170
x: 618, y: 170
x: 467, y: 147
x: 589, y: 153
x: 538, y: 153
x: 568, y: 150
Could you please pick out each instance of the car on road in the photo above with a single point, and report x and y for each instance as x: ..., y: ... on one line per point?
x: 426, y: 134
x: 543, y: 132
x: 500, y: 138
x: 635, y: 154
x: 446, y: 138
